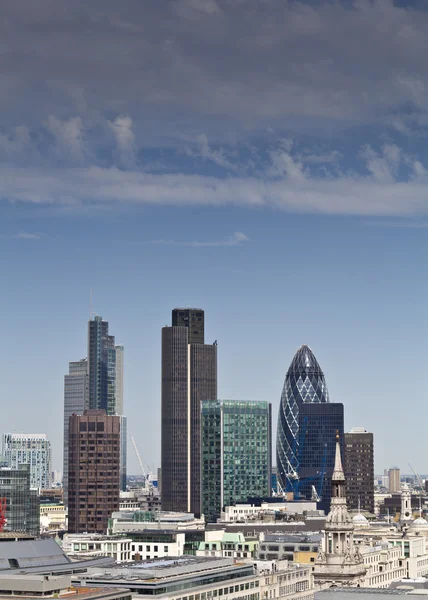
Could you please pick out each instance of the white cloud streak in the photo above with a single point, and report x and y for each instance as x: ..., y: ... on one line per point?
x: 237, y: 239
x: 376, y: 194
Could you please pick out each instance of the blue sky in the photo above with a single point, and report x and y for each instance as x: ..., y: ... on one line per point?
x: 254, y: 159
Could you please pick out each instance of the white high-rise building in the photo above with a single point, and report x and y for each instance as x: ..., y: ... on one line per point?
x: 32, y: 449
x: 119, y: 379
x: 119, y: 411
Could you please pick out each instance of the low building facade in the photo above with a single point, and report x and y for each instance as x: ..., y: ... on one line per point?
x: 91, y: 545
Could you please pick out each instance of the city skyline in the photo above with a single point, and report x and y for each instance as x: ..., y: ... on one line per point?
x: 241, y: 157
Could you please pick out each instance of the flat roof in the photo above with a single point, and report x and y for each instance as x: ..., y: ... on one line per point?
x: 166, y: 568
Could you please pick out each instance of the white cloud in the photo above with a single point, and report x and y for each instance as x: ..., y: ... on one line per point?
x: 68, y: 136
x: 125, y: 138
x: 236, y: 239
x: 375, y: 194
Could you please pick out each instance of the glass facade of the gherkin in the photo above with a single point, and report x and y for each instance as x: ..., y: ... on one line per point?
x: 304, y: 383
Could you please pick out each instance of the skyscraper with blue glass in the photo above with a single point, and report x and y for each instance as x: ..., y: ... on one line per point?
x: 304, y: 383
x: 101, y: 366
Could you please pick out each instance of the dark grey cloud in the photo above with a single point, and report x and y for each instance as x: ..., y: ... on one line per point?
x: 167, y: 62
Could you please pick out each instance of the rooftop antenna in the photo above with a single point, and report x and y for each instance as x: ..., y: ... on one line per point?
x: 90, y: 303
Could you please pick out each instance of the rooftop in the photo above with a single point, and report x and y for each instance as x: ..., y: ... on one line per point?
x: 151, y: 571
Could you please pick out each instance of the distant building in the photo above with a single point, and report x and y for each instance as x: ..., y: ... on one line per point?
x: 33, y: 449
x: 94, y: 471
x: 340, y: 561
x: 101, y: 366
x: 236, y: 441
x: 22, y: 502
x: 304, y: 383
x: 359, y: 469
x: 394, y: 480
x: 319, y: 423
x: 189, y: 376
x: 75, y: 402
x: 90, y: 545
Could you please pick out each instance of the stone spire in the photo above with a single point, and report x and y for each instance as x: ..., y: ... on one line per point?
x: 340, y: 561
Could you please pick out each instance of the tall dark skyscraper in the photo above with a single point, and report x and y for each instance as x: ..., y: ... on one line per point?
x: 94, y: 471
x: 96, y: 383
x: 304, y: 383
x: 194, y: 320
x: 319, y: 425
x: 189, y: 375
x: 359, y: 469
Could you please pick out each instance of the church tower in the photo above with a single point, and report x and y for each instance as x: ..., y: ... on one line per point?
x: 339, y: 563
x: 406, y: 504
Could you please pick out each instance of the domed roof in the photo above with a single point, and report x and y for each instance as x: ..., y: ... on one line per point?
x: 360, y: 520
x: 304, y: 361
x: 419, y: 523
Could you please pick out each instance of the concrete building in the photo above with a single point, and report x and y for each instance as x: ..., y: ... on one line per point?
x: 359, y: 469
x: 75, y: 402
x: 94, y: 471
x: 242, y: 512
x: 176, y: 578
x: 90, y: 545
x: 132, y: 521
x: 160, y: 543
x: 53, y: 518
x: 282, y: 580
x: 236, y: 442
x: 189, y: 375
x: 204, y: 578
x: 140, y: 499
x: 29, y: 586
x: 394, y: 480
x: 32, y: 449
x: 224, y: 544
x: 22, y: 502
x: 281, y: 546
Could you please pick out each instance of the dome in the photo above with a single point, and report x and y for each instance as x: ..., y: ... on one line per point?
x: 360, y: 520
x: 304, y: 361
x: 419, y: 523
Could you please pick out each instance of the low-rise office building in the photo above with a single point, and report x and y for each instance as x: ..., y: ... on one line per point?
x: 92, y: 544
x: 152, y: 544
x: 182, y: 577
x: 138, y: 520
x: 223, y: 544
x: 265, y: 510
x: 28, y: 586
x: 53, y: 517
x: 284, y: 546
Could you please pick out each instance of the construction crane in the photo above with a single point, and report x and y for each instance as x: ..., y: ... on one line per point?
x: 147, y: 482
x: 419, y: 480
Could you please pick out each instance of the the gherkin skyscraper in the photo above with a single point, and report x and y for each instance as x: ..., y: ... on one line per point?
x: 304, y: 383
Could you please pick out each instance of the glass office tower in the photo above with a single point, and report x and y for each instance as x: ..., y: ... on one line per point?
x: 32, y: 449
x: 319, y: 424
x: 101, y: 366
x: 75, y: 402
x: 22, y: 502
x: 304, y: 383
x: 236, y: 453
